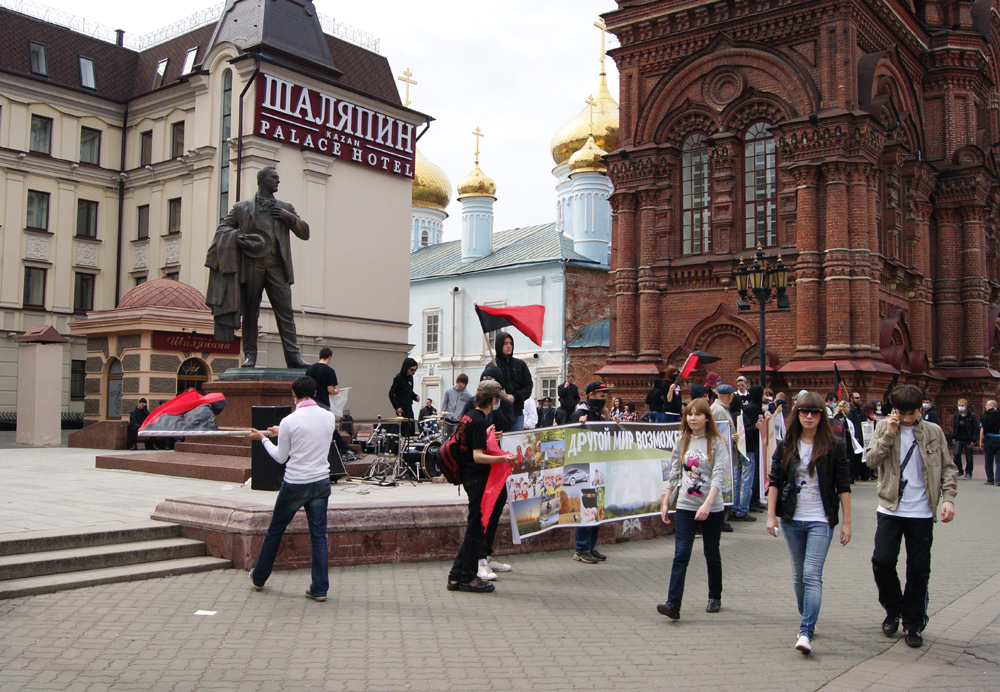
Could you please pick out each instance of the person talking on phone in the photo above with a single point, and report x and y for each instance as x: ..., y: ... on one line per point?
x: 915, y: 474
x: 810, y: 484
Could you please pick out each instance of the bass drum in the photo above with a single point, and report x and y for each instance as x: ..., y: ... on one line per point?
x: 430, y: 457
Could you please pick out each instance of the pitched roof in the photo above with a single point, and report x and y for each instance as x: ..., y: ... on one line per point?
x: 519, y: 246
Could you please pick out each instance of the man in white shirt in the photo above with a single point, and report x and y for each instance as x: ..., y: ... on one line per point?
x: 304, y: 439
x: 915, y: 474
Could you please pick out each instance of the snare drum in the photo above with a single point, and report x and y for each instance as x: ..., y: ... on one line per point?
x: 430, y: 428
x: 386, y: 444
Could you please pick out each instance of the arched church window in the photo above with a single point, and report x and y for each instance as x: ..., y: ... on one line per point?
x: 696, y: 212
x: 760, y: 187
x: 425, y: 238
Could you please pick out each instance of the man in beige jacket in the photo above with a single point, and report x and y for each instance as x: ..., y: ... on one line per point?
x: 915, y: 474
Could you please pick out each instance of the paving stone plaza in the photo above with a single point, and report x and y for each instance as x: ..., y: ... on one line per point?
x: 552, y: 624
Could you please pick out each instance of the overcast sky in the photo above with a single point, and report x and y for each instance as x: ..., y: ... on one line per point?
x: 518, y: 69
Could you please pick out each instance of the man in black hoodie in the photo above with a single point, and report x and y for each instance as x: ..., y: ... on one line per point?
x: 402, y: 397
x: 515, y: 377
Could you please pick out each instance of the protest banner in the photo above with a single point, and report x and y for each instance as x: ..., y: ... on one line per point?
x: 592, y: 473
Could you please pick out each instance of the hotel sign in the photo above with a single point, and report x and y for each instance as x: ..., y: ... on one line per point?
x: 173, y: 341
x: 314, y: 121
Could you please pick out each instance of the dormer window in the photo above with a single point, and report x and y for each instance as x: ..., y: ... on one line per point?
x: 161, y: 70
x: 87, y: 80
x: 189, y: 59
x: 39, y: 65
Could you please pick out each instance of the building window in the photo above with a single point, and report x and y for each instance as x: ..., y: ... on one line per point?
x: 145, y: 148
x: 189, y: 59
x: 174, y: 216
x: 161, y: 71
x: 224, y: 134
x: 38, y: 211
x: 760, y: 176
x: 139, y: 280
x: 39, y: 65
x: 548, y: 387
x: 425, y: 239
x: 142, y: 222
x: 86, y: 219
x: 34, y: 287
x: 432, y: 333
x: 177, y: 139
x: 77, y: 379
x: 173, y: 275
x: 87, y: 80
x: 41, y: 135
x: 83, y: 295
x: 90, y: 146
x: 696, y: 204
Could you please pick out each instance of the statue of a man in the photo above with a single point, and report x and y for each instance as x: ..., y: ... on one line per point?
x: 249, y: 255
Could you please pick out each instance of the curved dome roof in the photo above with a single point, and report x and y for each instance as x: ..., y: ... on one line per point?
x: 477, y: 184
x: 431, y: 187
x: 588, y: 158
x: 164, y: 293
x: 571, y: 137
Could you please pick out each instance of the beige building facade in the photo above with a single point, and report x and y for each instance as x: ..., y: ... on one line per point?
x: 116, y: 166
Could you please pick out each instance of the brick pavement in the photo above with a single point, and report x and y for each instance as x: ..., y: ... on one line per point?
x: 553, y: 624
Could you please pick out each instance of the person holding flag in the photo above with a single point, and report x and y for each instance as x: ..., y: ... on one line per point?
x: 515, y: 377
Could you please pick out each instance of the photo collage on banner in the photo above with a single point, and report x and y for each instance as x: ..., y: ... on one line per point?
x: 587, y: 474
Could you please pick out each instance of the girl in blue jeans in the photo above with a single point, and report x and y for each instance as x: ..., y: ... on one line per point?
x: 810, y: 482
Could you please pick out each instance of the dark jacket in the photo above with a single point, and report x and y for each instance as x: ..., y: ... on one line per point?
x: 752, y: 411
x: 965, y: 428
x: 832, y: 470
x: 501, y: 418
x: 137, y: 417
x: 569, y: 396
x: 654, y: 397
x: 546, y: 416
x: 857, y: 417
x: 931, y: 416
x: 515, y: 376
x: 585, y: 409
x: 401, y: 393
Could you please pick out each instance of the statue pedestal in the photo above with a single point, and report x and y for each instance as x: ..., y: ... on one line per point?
x: 245, y: 388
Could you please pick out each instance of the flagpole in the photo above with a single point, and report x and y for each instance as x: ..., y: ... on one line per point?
x: 490, y: 349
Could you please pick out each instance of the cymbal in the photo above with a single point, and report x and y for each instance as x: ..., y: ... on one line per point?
x: 396, y: 419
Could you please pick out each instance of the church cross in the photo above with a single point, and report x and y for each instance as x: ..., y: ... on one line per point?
x: 603, y: 27
x: 478, y: 133
x: 590, y: 105
x: 406, y: 79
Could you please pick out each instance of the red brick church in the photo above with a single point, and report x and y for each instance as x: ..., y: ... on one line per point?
x: 855, y: 138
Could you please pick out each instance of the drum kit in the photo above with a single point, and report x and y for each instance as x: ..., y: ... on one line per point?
x: 402, y: 456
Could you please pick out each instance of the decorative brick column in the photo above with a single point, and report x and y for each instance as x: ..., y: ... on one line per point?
x: 836, y: 264
x: 649, y: 294
x: 948, y: 315
x: 974, y: 292
x: 807, y: 264
x: 625, y: 277
x: 860, y: 261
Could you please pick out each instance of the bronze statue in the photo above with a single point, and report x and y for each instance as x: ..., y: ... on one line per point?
x: 249, y: 255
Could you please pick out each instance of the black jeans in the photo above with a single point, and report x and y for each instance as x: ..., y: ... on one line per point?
x: 957, y: 457
x: 991, y: 450
x: 466, y: 564
x: 491, y: 527
x: 711, y: 532
x: 910, y: 604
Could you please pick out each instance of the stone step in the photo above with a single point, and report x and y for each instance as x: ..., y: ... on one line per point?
x: 31, y: 586
x: 210, y: 467
x: 39, y: 541
x: 214, y: 448
x: 39, y: 564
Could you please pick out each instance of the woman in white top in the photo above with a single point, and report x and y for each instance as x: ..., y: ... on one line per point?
x: 698, y: 469
x: 810, y: 482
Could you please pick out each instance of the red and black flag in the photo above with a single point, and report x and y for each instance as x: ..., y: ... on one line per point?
x: 838, y: 384
x: 694, y: 360
x: 526, y: 318
x: 186, y: 413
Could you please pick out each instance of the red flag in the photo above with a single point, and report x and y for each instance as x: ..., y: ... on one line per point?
x: 838, y: 383
x: 182, y: 403
x: 496, y: 481
x: 689, y: 365
x: 527, y: 318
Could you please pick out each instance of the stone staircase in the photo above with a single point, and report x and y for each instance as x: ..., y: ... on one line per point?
x: 45, y: 562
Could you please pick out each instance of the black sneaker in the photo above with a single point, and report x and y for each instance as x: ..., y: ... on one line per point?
x: 600, y: 556
x: 727, y: 527
x: 453, y: 585
x: 749, y: 517
x: 670, y: 610
x: 914, y: 639
x: 477, y: 585
x: 890, y: 625
x: 585, y: 556
x: 714, y: 604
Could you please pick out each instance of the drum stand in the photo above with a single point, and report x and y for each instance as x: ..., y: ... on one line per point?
x: 400, y: 470
x: 382, y: 469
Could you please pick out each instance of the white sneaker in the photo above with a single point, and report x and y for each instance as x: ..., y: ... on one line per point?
x: 485, y: 572
x: 497, y: 566
x: 803, y: 644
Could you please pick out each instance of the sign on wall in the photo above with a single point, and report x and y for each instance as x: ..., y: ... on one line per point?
x: 174, y: 341
x: 315, y: 121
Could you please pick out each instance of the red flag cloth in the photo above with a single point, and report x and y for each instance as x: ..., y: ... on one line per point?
x: 689, y: 365
x: 527, y: 318
x: 838, y: 383
x: 496, y: 481
x: 182, y: 403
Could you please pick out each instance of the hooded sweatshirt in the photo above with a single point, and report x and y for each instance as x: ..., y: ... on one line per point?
x: 752, y: 412
x: 401, y: 393
x: 515, y: 377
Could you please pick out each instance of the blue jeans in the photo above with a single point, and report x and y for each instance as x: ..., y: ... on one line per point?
x: 671, y: 418
x: 743, y: 475
x: 518, y: 423
x: 808, y: 543
x: 586, y: 538
x: 657, y: 417
x: 313, y: 497
x: 711, y: 531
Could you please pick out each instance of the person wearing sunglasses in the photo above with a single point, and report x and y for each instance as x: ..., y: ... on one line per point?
x: 810, y: 484
x: 915, y: 473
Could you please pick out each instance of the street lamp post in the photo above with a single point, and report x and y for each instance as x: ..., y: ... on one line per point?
x: 761, y: 284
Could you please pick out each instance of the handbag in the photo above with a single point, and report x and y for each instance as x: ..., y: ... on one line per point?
x: 672, y: 502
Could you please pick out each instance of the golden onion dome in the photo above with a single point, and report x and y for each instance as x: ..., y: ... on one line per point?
x: 569, y: 138
x: 477, y: 184
x: 431, y: 187
x: 588, y: 158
